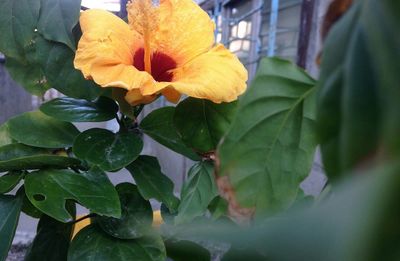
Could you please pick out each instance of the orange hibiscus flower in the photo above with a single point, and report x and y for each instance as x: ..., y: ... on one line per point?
x: 165, y: 49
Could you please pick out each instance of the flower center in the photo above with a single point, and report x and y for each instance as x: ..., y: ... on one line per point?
x: 161, y: 65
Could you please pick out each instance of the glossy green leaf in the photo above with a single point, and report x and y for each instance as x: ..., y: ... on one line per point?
x: 136, y: 218
x: 29, y: 76
x: 197, y: 192
x: 27, y: 207
x: 186, y: 250
x: 51, y: 242
x: 74, y: 110
x: 9, y: 181
x: 21, y: 157
x: 36, y: 129
x: 57, y: 19
x: 206, y: 125
x: 151, y: 182
x: 5, y: 137
x: 118, y: 94
x: 10, y: 208
x: 92, y: 244
x: 56, y: 61
x: 18, y: 20
x: 270, y: 147
x: 107, y: 150
x: 49, y: 189
x: 159, y: 126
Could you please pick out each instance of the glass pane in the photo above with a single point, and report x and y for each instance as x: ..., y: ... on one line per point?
x: 240, y: 28
x: 287, y: 28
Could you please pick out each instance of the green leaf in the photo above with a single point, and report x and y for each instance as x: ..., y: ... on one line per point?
x: 5, y: 137
x: 27, y: 207
x: 18, y: 20
x: 51, y: 242
x: 167, y: 215
x: 239, y: 254
x: 21, y: 157
x: 347, y: 104
x: 119, y: 94
x: 197, y: 192
x: 107, y: 150
x: 9, y: 181
x: 49, y: 189
x: 151, y: 182
x: 92, y: 244
x: 56, y: 61
x: 74, y: 110
x: 380, y: 22
x: 206, y: 125
x: 358, y: 99
x: 218, y: 207
x: 36, y: 129
x: 30, y: 76
x: 159, y: 126
x: 136, y: 218
x: 186, y: 250
x: 270, y: 147
x: 57, y: 19
x: 10, y: 208
x: 358, y: 221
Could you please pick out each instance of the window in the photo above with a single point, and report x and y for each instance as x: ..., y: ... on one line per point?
x: 246, y: 28
x: 287, y: 29
x: 240, y: 23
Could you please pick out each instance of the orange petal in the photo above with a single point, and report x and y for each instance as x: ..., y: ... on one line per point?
x: 105, y: 51
x: 186, y: 30
x: 217, y: 75
x: 111, y: 73
x: 134, y: 97
x: 171, y: 95
x: 177, y: 28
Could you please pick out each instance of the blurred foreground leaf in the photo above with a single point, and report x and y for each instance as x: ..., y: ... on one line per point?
x: 358, y: 221
x: 358, y: 99
x: 186, y: 250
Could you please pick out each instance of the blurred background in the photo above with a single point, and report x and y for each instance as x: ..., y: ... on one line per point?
x: 251, y: 29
